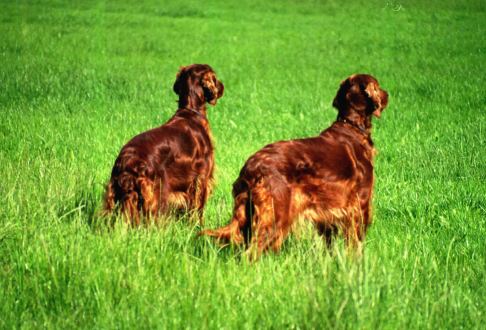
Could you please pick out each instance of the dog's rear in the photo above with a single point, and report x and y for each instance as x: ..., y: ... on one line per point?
x: 132, y: 187
x: 259, y: 199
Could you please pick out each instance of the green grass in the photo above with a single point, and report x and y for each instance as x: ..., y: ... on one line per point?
x: 78, y: 80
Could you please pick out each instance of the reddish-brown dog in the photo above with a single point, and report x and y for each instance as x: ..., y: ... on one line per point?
x: 326, y: 179
x: 171, y: 166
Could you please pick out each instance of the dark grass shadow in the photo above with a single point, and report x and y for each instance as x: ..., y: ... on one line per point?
x: 180, y: 13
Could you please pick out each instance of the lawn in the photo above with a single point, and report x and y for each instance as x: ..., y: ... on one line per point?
x: 79, y: 79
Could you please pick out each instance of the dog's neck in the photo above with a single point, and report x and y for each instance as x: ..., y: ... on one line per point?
x: 193, y: 104
x: 199, y: 112
x: 363, y: 124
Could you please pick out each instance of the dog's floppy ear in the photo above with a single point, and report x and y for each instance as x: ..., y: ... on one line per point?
x: 213, y: 88
x: 177, y: 83
x: 340, y: 98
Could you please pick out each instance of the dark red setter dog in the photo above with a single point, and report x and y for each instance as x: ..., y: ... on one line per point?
x: 171, y: 166
x: 326, y: 179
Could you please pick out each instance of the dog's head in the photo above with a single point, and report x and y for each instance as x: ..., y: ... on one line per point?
x: 198, y: 81
x: 361, y: 93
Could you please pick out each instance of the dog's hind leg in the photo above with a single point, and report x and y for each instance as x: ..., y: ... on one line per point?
x: 147, y: 199
x: 129, y: 208
x: 202, y: 190
x: 272, y: 220
x: 354, y: 231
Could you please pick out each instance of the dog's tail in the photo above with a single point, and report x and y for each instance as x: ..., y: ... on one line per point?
x: 230, y: 233
x: 238, y: 230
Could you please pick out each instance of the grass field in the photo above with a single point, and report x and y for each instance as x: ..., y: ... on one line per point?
x: 78, y: 79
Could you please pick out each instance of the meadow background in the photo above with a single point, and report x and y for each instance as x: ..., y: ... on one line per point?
x: 80, y: 78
